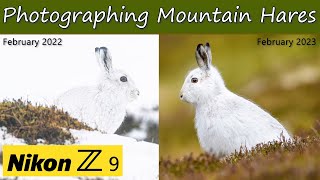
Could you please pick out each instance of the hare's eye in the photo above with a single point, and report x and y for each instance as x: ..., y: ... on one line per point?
x: 123, y: 79
x: 194, y: 80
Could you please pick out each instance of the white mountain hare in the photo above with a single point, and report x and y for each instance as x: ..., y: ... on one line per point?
x: 102, y: 106
x: 225, y: 121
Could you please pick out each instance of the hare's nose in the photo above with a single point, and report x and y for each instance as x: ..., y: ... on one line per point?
x: 136, y: 92
x: 181, y: 96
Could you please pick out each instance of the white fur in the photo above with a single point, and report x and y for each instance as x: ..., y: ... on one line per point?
x: 225, y: 121
x: 103, y: 106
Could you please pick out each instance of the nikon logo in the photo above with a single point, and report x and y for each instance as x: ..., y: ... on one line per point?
x: 31, y: 162
x: 62, y: 160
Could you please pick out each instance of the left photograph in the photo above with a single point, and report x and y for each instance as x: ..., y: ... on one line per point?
x: 83, y: 90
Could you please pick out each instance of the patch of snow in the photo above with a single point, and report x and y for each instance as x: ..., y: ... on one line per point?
x: 137, y: 134
x: 35, y: 178
x: 8, y: 139
x: 40, y: 141
x: 96, y: 138
x: 141, y: 159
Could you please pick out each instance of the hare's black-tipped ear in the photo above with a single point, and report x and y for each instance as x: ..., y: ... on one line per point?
x: 104, y: 58
x: 208, y: 50
x: 202, y: 57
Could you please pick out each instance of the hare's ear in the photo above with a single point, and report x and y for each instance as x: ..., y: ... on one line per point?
x: 104, y: 58
x: 208, y: 50
x: 202, y: 57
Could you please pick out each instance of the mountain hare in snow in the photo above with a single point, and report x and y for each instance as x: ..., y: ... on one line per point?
x: 225, y: 121
x: 102, y: 106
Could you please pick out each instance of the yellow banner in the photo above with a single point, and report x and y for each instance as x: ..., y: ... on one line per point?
x: 62, y: 160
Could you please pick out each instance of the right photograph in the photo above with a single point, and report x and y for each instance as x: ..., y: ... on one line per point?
x: 239, y: 106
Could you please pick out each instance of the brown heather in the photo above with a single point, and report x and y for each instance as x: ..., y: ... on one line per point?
x: 32, y: 122
x: 296, y: 159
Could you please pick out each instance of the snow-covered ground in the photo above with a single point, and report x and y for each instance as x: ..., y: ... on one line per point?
x: 43, y: 73
x: 141, y: 158
x: 8, y: 139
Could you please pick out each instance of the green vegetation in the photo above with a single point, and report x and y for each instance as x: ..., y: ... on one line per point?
x: 297, y: 159
x: 29, y: 122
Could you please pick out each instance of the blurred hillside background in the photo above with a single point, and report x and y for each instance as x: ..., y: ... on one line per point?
x: 284, y: 81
